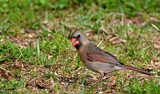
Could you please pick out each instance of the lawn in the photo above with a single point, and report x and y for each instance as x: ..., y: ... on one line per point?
x: 37, y: 57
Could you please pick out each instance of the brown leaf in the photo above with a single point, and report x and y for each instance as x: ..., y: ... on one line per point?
x: 114, y: 38
x: 41, y: 84
x: 55, y: 66
x: 70, y: 27
x: 6, y: 74
x: 157, y: 45
x: 19, y: 65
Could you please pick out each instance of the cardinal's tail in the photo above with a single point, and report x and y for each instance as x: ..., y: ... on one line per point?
x: 138, y: 70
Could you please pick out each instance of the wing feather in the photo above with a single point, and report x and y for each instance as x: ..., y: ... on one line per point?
x: 93, y: 56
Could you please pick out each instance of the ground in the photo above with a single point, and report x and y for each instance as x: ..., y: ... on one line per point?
x: 36, y: 55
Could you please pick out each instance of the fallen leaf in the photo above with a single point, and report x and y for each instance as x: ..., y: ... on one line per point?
x: 157, y: 45
x: 19, y: 65
x: 6, y: 74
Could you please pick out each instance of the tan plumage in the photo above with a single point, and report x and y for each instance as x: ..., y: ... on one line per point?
x: 97, y: 59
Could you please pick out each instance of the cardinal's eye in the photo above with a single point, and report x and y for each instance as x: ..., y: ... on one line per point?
x: 78, y: 36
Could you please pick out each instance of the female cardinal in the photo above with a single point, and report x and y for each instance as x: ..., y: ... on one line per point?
x: 97, y: 59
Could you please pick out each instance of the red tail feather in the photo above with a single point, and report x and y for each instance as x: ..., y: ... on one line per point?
x: 138, y: 70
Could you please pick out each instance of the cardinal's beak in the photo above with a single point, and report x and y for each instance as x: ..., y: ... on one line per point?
x: 74, y: 41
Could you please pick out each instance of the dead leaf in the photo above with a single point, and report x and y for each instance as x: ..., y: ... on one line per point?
x: 57, y: 65
x: 157, y: 45
x: 69, y: 26
x: 40, y: 82
x: 29, y: 31
x: 114, y: 38
x: 136, y: 21
x: 6, y: 74
x: 19, y: 65
x: 49, y: 57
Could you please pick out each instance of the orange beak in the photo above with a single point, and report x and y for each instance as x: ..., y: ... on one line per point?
x: 74, y: 41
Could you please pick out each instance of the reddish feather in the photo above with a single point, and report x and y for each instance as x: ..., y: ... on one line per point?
x: 135, y: 69
x: 93, y: 56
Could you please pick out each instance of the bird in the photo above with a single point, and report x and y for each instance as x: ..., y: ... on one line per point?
x: 96, y: 59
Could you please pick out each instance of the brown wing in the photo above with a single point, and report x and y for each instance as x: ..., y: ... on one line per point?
x: 96, y: 54
x: 93, y: 56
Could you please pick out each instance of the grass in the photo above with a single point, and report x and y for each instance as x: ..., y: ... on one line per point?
x: 35, y: 49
